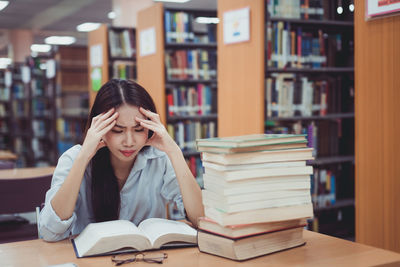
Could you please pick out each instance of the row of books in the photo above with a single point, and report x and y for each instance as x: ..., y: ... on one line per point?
x: 323, y: 188
x: 39, y: 128
x: 296, y: 48
x: 69, y: 129
x: 3, y: 112
x: 325, y: 137
x: 191, y: 100
x: 305, y: 9
x: 20, y: 109
x: 290, y: 95
x: 124, y: 70
x: 196, y: 168
x: 122, y: 43
x: 4, y: 93
x: 19, y: 91
x: 191, y: 64
x: 41, y: 107
x: 186, y: 132
x: 256, y: 194
x: 181, y: 27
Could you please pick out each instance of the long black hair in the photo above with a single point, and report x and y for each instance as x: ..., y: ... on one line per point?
x: 105, y: 192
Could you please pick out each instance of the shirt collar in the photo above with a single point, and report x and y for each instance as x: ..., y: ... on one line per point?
x: 145, y: 154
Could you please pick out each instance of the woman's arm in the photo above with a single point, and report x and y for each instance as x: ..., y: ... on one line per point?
x: 190, y: 190
x: 64, y: 200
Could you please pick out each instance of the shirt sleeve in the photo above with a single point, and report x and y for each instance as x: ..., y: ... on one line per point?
x: 170, y: 189
x: 51, y: 227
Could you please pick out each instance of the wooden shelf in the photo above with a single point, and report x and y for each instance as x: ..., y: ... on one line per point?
x: 190, y: 153
x: 311, y: 70
x: 192, y: 117
x: 303, y: 118
x: 338, y: 205
x: 321, y: 23
x: 331, y: 160
x: 190, y: 46
x: 190, y: 81
x: 121, y: 59
x: 75, y: 117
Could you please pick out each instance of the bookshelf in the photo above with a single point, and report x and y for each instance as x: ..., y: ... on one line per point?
x: 185, y: 86
x: 111, y: 54
x: 72, y: 95
x: 307, y: 87
x: 27, y: 108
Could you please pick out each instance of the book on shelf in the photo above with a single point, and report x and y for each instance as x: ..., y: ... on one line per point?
x: 113, y: 237
x: 259, y: 215
x: 250, y: 140
x: 259, y: 157
x: 245, y: 230
x: 252, y: 246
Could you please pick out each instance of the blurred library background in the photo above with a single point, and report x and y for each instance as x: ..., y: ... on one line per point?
x: 295, y: 73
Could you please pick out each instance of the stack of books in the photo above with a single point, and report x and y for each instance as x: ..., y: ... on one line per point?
x: 256, y: 194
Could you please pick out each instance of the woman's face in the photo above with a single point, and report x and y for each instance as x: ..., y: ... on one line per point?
x: 127, y: 137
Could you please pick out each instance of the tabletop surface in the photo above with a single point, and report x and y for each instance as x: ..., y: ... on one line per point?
x: 7, y: 155
x: 23, y: 173
x: 320, y: 250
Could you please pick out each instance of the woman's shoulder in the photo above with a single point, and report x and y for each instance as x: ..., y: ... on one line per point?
x: 71, y: 153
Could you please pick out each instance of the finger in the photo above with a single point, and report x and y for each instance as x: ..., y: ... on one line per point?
x: 107, y: 121
x: 105, y: 115
x: 106, y: 129
x: 148, y: 121
x: 101, y: 144
x: 149, y: 114
x: 150, y: 126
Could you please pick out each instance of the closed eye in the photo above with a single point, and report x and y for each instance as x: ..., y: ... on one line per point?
x: 139, y: 130
x: 116, y: 131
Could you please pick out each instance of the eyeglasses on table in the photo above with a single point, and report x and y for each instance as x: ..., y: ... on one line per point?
x: 157, y: 257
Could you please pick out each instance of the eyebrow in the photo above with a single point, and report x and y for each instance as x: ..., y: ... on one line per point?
x: 123, y: 127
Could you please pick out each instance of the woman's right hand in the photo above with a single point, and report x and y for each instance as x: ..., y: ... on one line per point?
x: 100, y: 125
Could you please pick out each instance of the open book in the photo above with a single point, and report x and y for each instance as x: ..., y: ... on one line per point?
x: 112, y: 236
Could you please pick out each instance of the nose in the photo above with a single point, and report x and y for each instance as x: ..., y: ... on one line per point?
x: 128, y: 139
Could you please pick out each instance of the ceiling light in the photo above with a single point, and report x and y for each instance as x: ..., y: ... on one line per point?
x: 339, y: 10
x: 351, y: 8
x: 111, y: 15
x: 40, y: 48
x: 207, y: 20
x: 172, y: 1
x: 60, y: 40
x: 87, y: 26
x: 3, y: 4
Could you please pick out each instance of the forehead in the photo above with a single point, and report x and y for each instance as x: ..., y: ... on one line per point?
x: 127, y: 114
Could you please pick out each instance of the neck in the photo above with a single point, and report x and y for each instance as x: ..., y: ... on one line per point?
x: 121, y: 169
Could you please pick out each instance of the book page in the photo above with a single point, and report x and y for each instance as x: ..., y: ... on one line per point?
x: 107, y: 236
x: 161, y: 231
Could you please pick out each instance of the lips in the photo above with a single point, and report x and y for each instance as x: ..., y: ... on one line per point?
x: 127, y: 153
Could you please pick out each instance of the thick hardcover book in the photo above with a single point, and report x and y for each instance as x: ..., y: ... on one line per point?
x: 119, y: 236
x: 250, y: 247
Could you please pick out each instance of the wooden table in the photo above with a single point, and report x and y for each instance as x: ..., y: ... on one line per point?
x: 24, y: 173
x: 320, y: 250
x: 7, y: 155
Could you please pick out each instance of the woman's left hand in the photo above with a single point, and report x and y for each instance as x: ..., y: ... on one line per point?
x: 160, y: 139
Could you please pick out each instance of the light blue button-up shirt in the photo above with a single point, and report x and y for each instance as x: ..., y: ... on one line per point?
x: 151, y: 184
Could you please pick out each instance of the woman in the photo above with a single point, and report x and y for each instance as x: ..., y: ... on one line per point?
x: 128, y: 167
